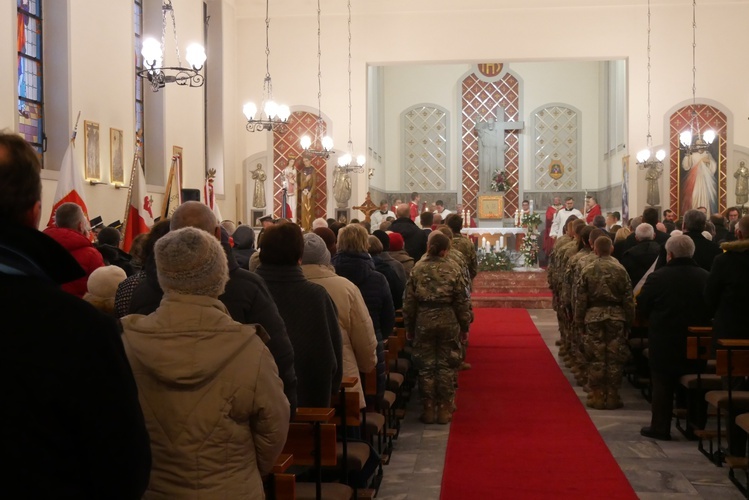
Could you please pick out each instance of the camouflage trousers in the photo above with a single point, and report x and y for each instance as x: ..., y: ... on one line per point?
x: 437, y: 354
x: 606, y: 351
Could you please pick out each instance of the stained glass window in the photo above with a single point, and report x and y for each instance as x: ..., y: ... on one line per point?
x: 139, y: 107
x: 30, y: 84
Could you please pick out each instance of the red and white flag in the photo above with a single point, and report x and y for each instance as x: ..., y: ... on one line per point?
x: 210, y: 198
x: 140, y: 209
x: 69, y: 185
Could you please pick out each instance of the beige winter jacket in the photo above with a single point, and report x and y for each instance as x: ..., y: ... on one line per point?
x: 213, y: 402
x: 357, y: 332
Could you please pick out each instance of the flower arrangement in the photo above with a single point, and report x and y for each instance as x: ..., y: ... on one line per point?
x: 499, y: 184
x: 493, y: 260
x: 529, y: 247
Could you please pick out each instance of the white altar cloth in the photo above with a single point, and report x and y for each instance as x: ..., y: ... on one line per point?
x: 503, y: 231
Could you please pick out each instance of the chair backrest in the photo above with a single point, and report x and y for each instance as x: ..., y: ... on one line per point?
x: 351, y: 404
x: 738, y: 364
x: 699, y: 347
x: 300, y: 442
x: 369, y: 382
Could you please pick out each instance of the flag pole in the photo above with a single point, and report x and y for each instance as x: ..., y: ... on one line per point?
x: 133, y: 172
x: 75, y: 128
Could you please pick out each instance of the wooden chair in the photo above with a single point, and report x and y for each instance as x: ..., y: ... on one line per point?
x: 742, y: 422
x: 697, y: 384
x: 374, y: 423
x: 731, y: 361
x: 283, y: 484
x: 352, y: 455
x: 312, y: 442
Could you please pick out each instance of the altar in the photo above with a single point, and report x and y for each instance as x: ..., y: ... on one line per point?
x: 496, y: 237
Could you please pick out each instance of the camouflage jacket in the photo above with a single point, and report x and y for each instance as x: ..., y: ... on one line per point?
x: 604, y: 293
x: 584, y: 261
x: 565, y: 252
x: 466, y: 248
x: 437, y: 281
x: 554, y: 258
x: 571, y: 272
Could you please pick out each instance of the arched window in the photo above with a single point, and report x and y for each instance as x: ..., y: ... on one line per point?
x: 30, y: 84
x: 425, y: 148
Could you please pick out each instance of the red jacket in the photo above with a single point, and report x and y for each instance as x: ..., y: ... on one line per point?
x: 83, y: 251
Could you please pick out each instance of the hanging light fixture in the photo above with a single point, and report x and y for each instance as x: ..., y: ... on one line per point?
x: 323, y: 145
x: 346, y: 161
x: 152, y: 51
x: 692, y: 141
x: 274, y: 116
x: 645, y: 158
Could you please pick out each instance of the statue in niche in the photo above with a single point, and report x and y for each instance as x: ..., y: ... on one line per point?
x: 289, y: 181
x: 307, y: 190
x: 491, y: 148
x: 742, y: 183
x: 652, y: 175
x: 258, y: 198
x: 341, y: 187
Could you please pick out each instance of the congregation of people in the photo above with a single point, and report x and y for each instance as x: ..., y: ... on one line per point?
x: 177, y: 369
x: 627, y: 293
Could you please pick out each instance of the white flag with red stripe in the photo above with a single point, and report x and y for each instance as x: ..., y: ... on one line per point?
x: 69, y: 185
x: 140, y: 209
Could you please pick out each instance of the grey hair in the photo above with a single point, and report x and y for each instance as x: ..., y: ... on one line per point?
x: 680, y: 246
x: 69, y: 215
x: 694, y: 221
x: 644, y: 232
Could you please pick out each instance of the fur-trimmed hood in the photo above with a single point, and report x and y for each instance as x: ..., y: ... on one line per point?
x: 736, y: 246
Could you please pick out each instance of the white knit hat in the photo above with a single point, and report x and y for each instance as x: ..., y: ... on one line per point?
x: 191, y: 261
x: 103, y: 282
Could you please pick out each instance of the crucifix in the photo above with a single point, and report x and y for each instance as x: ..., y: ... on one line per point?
x: 492, y: 145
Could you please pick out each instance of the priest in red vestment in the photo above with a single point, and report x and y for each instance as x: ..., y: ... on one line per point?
x: 592, y: 208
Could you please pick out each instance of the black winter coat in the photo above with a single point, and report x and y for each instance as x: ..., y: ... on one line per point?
x: 704, y: 250
x: 727, y: 291
x: 638, y: 259
x: 248, y: 301
x: 71, y: 422
x: 397, y: 287
x: 672, y: 300
x: 312, y: 323
x: 414, y: 239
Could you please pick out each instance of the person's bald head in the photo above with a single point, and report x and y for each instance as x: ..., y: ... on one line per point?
x: 603, y: 247
x: 402, y: 210
x: 195, y: 214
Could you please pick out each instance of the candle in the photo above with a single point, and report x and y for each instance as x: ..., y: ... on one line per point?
x: 501, y: 241
x: 496, y: 245
x: 531, y: 206
x: 487, y: 247
x: 483, y: 242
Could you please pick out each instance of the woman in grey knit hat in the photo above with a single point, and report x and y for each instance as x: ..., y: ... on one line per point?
x: 211, y: 396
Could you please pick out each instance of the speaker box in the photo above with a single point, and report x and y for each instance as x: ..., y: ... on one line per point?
x: 189, y: 194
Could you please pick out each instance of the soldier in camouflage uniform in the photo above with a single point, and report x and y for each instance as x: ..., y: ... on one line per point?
x: 436, y: 315
x: 560, y: 264
x: 552, y: 272
x: 570, y: 273
x: 463, y: 245
x: 578, y: 348
x: 606, y: 308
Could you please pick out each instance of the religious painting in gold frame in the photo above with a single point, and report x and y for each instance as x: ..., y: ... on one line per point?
x: 700, y: 178
x: 491, y: 207
x: 91, y: 149
x: 116, y: 157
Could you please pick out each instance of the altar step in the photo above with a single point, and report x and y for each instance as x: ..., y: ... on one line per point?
x: 515, y: 289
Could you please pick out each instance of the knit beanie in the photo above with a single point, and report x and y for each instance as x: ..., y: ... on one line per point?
x: 103, y: 282
x: 191, y: 261
x: 396, y: 242
x: 384, y: 239
x: 315, y: 250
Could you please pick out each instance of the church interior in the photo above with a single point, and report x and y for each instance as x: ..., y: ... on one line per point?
x: 569, y: 90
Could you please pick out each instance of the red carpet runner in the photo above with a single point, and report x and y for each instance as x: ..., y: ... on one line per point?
x: 520, y: 431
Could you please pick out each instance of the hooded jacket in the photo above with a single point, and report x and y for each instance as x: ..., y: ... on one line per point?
x: 211, y: 396
x: 415, y: 240
x: 82, y: 250
x: 244, y: 245
x: 248, y: 301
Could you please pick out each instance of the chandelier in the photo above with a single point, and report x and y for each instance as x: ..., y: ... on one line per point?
x: 152, y: 51
x: 323, y: 145
x: 645, y: 159
x: 346, y: 161
x: 692, y: 141
x: 274, y: 116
